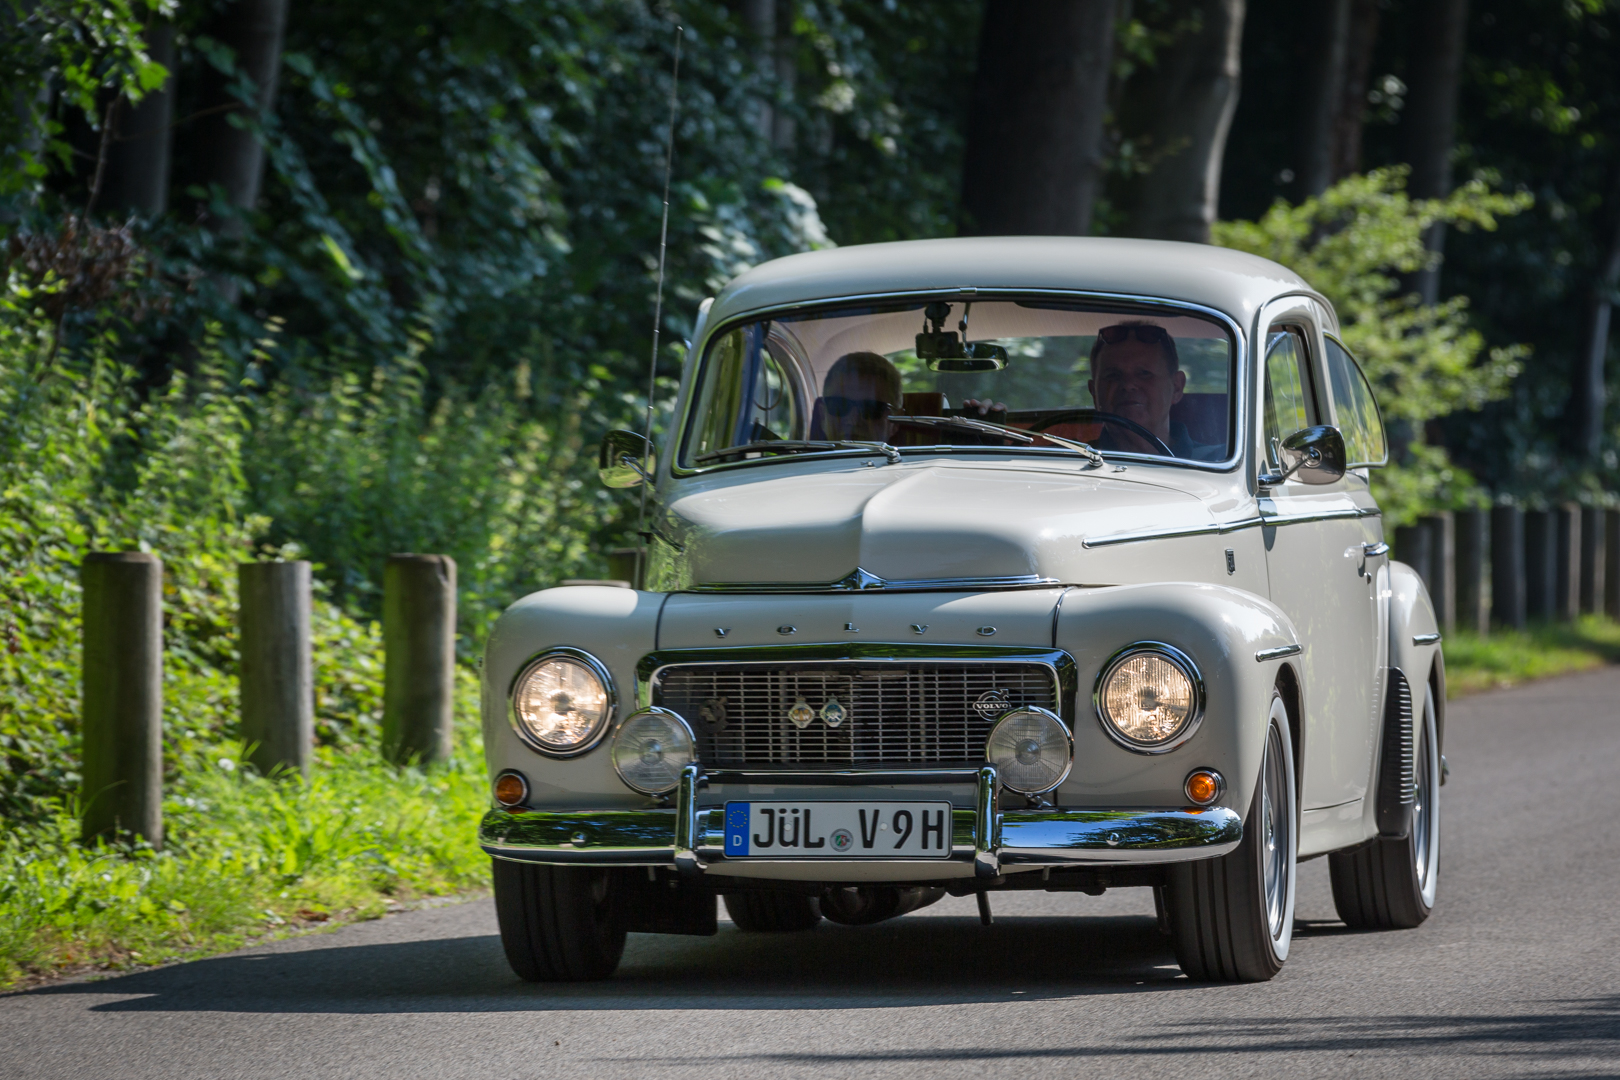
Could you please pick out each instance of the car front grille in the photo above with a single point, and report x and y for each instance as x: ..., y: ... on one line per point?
x: 894, y: 714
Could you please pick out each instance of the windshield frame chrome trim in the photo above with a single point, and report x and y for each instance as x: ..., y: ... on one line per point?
x: 681, y: 431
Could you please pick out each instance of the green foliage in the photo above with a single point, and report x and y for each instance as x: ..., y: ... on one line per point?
x: 1352, y: 243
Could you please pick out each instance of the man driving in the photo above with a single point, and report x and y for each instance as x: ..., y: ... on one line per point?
x: 860, y: 392
x: 1136, y: 374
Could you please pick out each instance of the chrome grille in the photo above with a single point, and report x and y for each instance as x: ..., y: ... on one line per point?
x: 896, y: 713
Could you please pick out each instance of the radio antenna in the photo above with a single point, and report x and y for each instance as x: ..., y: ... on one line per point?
x: 663, y: 242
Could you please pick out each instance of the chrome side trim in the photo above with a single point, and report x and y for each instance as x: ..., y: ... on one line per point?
x: 1027, y: 838
x: 1425, y: 639
x: 1279, y: 652
x: 1212, y: 529
x: 858, y: 580
x: 1323, y: 515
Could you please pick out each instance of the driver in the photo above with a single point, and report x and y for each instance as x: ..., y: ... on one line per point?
x: 1136, y: 374
x: 860, y: 392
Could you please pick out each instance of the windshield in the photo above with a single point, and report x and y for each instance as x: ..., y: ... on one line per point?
x: 908, y: 374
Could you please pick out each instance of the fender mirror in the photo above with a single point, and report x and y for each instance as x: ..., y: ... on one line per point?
x: 625, y: 459
x: 1313, y: 455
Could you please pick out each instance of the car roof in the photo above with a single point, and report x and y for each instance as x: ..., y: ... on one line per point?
x: 1230, y: 281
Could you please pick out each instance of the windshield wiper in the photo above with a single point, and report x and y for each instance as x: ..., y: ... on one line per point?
x: 791, y: 446
x: 1086, y: 450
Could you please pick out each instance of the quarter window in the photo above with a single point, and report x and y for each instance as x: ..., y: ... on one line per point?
x: 1356, y: 409
x: 1290, y: 404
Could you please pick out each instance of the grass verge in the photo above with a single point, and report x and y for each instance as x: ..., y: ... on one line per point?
x: 246, y: 857
x: 1503, y: 658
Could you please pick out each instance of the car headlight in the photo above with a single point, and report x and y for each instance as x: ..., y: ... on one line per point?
x: 651, y: 748
x: 1150, y: 697
x: 562, y: 701
x: 1031, y: 750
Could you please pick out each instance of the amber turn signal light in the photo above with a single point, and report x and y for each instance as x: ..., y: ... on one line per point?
x: 511, y: 789
x: 1203, y: 786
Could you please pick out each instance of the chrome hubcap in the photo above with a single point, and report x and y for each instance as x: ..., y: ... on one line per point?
x: 1276, y: 822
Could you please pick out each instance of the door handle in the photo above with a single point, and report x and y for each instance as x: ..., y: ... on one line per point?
x: 1372, y: 550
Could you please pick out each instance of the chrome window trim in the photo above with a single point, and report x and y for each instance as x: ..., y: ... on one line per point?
x: 1062, y: 666
x: 598, y: 668
x: 1175, y: 656
x: 1238, y: 406
x: 1379, y: 408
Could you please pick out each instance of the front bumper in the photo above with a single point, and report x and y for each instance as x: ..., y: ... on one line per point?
x: 985, y: 842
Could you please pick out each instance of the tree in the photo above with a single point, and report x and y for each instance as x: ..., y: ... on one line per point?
x: 239, y: 89
x: 137, y: 165
x: 1318, y: 137
x: 1034, y: 143
x: 1429, y: 127
x: 1174, y: 116
x: 1586, y: 388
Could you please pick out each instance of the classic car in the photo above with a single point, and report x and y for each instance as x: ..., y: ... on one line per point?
x: 979, y: 565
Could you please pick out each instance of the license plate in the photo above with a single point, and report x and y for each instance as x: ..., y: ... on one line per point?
x: 838, y: 830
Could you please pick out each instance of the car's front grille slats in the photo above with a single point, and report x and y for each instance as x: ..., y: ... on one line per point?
x: 896, y: 714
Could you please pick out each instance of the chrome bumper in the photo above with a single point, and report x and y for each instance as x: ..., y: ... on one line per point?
x: 984, y: 842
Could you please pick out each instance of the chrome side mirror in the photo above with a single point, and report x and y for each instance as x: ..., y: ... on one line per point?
x: 625, y: 459
x: 1313, y: 455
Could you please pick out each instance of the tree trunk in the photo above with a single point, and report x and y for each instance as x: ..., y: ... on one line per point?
x: 775, y: 60
x: 1177, y: 113
x: 1428, y: 130
x: 1587, y: 395
x: 230, y: 154
x: 1034, y: 145
x: 1363, y: 37
x: 137, y: 175
x: 1326, y: 68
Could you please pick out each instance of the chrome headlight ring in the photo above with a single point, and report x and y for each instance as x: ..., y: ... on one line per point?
x: 599, y: 729
x: 1164, y: 652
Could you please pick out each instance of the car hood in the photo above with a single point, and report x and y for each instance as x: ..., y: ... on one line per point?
x: 919, y: 522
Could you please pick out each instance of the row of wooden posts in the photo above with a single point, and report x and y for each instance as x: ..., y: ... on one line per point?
x: 122, y: 728
x: 1506, y: 566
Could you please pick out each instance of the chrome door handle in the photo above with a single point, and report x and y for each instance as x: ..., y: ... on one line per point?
x: 1374, y: 550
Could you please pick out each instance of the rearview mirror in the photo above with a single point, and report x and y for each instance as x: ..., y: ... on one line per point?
x: 625, y: 460
x: 945, y: 351
x: 1313, y: 455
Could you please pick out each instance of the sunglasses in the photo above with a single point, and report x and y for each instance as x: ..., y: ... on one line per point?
x: 848, y: 408
x: 1148, y: 335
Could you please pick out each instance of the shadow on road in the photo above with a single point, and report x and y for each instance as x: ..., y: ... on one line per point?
x: 934, y: 960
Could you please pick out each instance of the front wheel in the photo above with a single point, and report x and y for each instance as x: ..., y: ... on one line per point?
x: 1232, y: 918
x: 1390, y: 884
x: 559, y: 923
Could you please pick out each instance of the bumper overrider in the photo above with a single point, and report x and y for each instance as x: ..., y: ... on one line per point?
x: 986, y: 842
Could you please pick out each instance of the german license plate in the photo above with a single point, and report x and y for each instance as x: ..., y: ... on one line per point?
x: 838, y: 830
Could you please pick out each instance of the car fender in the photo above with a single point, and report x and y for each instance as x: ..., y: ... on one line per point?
x: 1240, y: 643
x: 1414, y: 636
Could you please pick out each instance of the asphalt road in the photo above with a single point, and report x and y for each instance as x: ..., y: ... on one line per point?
x: 1516, y: 974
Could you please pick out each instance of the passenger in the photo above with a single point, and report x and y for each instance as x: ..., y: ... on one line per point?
x: 860, y: 392
x: 1136, y: 374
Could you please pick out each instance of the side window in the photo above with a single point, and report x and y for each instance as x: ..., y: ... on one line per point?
x: 1290, y: 403
x: 1357, y: 410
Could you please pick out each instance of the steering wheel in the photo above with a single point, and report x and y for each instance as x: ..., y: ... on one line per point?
x: 1097, y: 415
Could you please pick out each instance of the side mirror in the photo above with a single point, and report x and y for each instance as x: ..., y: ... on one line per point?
x: 1313, y: 455
x: 626, y: 459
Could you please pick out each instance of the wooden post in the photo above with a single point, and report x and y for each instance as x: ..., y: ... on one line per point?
x: 1442, y: 579
x: 1508, y: 601
x: 1567, y: 597
x: 1472, y: 533
x: 1540, y: 564
x: 1594, y: 542
x: 278, y: 678
x: 121, y: 790
x: 1412, y: 547
x: 1611, y: 565
x: 419, y: 640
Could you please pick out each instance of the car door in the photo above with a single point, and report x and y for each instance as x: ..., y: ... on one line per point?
x: 1318, y: 567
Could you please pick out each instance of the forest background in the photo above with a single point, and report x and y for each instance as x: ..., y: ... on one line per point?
x: 341, y: 280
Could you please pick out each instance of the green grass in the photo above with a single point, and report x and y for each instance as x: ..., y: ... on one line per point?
x: 1508, y: 657
x: 245, y: 857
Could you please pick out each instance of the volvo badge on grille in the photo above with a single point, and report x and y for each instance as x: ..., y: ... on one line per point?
x: 713, y: 714
x: 992, y: 703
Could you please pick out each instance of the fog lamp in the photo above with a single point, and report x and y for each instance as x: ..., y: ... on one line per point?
x: 1150, y: 697
x: 1203, y: 786
x: 511, y: 789
x: 651, y: 748
x: 1031, y: 750
x: 562, y: 702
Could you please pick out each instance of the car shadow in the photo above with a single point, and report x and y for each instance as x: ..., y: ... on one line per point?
x: 933, y: 960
